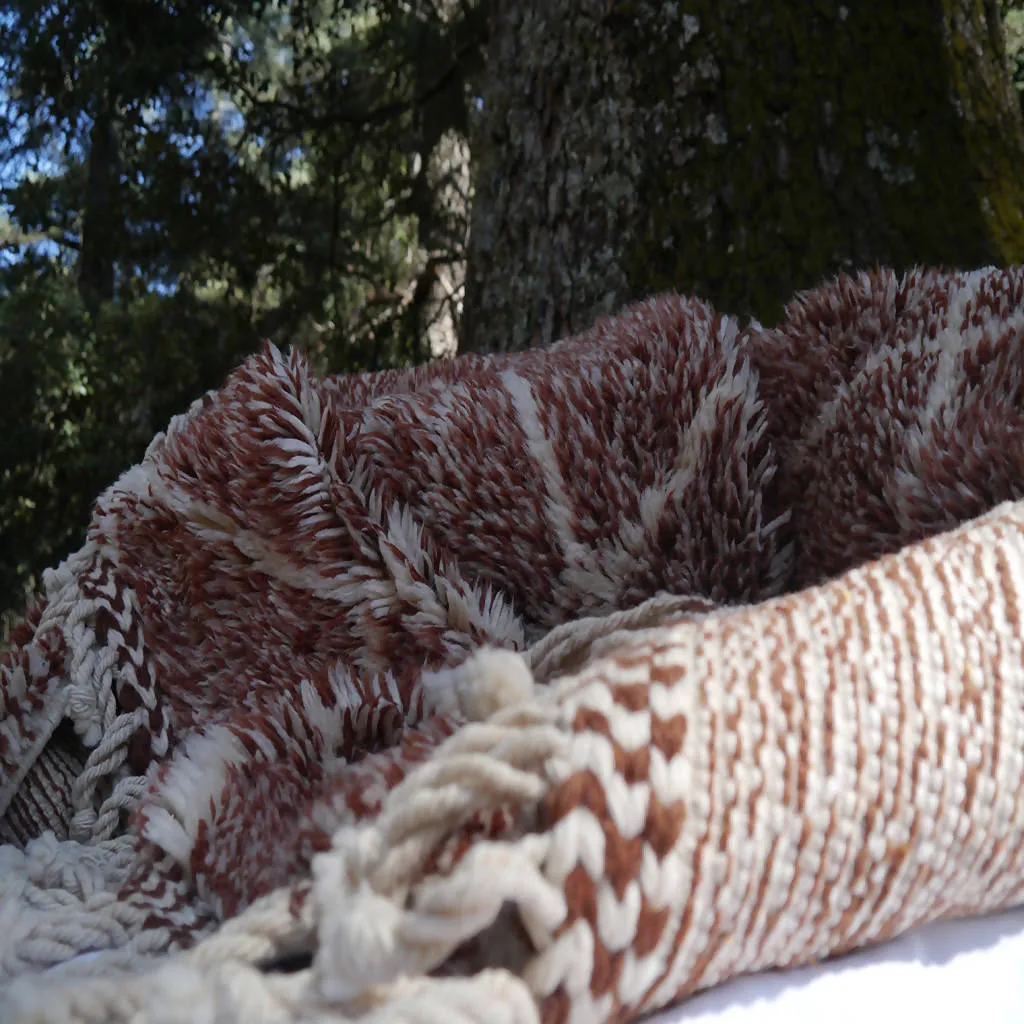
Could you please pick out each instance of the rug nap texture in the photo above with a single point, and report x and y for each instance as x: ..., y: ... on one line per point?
x: 547, y: 687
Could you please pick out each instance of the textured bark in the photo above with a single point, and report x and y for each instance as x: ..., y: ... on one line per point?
x: 734, y: 150
x: 96, y: 259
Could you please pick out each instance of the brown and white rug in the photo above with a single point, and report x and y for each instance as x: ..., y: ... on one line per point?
x: 547, y: 687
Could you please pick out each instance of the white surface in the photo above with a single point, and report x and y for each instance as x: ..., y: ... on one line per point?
x: 967, y: 972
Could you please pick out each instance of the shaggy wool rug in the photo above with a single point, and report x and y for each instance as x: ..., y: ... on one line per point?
x: 548, y: 687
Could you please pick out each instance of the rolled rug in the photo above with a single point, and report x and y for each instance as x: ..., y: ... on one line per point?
x: 467, y: 693
x: 761, y: 787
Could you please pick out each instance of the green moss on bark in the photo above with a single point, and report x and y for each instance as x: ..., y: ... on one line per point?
x: 872, y: 132
x: 738, y: 150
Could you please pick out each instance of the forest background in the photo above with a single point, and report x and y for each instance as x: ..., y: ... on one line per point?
x: 382, y: 183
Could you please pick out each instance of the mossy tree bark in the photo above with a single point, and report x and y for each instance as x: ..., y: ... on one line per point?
x: 734, y: 150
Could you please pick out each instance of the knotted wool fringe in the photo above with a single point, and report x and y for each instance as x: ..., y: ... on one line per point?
x: 467, y: 693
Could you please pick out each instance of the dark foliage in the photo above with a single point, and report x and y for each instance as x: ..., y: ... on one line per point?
x: 181, y: 181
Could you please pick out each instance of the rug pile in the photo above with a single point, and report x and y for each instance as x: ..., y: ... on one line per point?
x: 546, y: 687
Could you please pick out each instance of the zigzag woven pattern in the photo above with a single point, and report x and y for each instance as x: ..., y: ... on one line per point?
x: 547, y: 687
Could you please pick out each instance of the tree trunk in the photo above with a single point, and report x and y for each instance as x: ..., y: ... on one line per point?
x: 96, y: 257
x: 440, y: 192
x: 734, y: 150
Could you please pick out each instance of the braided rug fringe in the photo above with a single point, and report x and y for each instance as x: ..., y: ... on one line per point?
x: 69, y: 892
